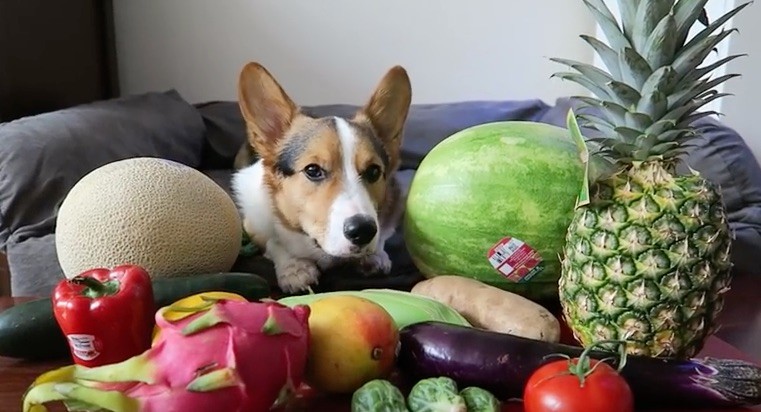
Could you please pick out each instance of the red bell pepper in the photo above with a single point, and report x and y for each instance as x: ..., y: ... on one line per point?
x: 107, y: 315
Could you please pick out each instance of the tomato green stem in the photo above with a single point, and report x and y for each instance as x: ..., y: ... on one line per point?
x: 582, y: 367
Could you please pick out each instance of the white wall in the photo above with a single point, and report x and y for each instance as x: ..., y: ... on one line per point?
x: 332, y: 51
x: 714, y: 8
x: 743, y: 111
x: 740, y: 109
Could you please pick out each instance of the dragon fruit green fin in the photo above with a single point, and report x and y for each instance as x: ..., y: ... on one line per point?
x: 113, y: 401
x: 271, y: 327
x: 135, y: 369
x: 205, y: 321
x: 217, y: 379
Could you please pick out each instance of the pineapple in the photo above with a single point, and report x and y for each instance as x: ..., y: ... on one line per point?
x: 647, y: 259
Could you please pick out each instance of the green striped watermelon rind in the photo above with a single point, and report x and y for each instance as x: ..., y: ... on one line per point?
x: 487, y: 182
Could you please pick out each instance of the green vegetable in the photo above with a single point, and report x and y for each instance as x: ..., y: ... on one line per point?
x: 29, y: 330
x: 247, y: 246
x: 480, y: 400
x: 250, y: 286
x: 436, y: 395
x: 378, y: 395
x: 404, y: 307
x: 488, y: 182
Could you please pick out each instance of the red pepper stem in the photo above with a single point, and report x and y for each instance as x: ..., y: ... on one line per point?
x: 95, y: 288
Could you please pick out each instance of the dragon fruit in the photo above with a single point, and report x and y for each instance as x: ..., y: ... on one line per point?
x: 232, y: 356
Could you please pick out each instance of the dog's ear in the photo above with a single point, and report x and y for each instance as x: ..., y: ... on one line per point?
x: 388, y: 107
x: 265, y: 106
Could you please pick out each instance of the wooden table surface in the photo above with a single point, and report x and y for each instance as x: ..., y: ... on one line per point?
x: 739, y: 338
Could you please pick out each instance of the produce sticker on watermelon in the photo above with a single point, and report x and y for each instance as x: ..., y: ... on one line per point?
x: 515, y: 260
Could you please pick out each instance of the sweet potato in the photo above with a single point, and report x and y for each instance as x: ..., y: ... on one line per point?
x: 491, y: 308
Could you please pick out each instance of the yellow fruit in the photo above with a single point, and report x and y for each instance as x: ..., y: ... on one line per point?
x: 193, y: 304
x: 352, y: 341
x: 168, y: 218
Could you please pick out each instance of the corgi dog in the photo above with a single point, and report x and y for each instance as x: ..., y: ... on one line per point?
x: 321, y: 191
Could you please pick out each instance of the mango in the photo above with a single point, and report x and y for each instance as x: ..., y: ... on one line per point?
x: 353, y: 340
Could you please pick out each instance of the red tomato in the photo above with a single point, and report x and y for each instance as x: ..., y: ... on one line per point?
x: 553, y: 387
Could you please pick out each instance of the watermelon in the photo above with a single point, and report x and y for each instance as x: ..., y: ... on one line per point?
x: 493, y: 202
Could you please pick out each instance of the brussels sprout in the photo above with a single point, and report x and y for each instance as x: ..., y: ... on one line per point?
x: 480, y: 400
x: 378, y: 395
x: 436, y: 395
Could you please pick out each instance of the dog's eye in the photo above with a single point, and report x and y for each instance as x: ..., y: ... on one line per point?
x: 372, y: 174
x: 314, y: 173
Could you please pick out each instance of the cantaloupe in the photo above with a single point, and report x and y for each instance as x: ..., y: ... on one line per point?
x: 167, y: 217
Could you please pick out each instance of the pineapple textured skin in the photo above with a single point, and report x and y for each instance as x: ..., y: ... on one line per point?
x: 647, y: 262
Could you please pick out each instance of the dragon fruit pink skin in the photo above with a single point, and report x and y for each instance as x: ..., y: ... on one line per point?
x: 235, y: 356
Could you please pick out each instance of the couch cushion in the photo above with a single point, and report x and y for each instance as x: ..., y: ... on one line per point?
x: 427, y: 125
x: 43, y: 156
x: 34, y: 266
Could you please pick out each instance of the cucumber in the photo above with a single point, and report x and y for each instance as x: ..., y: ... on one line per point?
x: 250, y: 286
x: 29, y: 330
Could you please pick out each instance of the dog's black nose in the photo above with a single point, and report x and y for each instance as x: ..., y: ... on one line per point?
x: 360, y: 229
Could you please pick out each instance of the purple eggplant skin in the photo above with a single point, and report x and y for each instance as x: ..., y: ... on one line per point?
x: 502, y: 363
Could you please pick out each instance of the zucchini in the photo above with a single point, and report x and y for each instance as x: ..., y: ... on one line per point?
x: 29, y: 330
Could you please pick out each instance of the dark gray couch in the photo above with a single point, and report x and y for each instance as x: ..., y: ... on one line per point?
x: 42, y: 157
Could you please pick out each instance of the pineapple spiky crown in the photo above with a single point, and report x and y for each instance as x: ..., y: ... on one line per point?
x: 654, y: 86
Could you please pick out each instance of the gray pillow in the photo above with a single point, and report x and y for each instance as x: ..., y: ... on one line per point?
x: 34, y: 266
x: 43, y: 156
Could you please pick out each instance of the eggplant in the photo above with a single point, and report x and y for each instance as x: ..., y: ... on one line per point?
x: 502, y: 363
